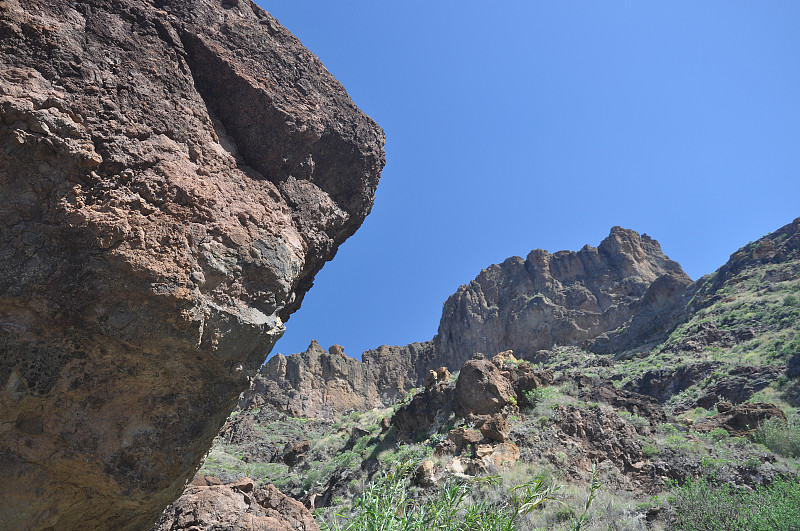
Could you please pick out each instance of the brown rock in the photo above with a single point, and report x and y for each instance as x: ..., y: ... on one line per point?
x: 425, y: 474
x: 446, y: 447
x: 481, y: 389
x: 724, y: 407
x: 504, y: 358
x: 430, y: 379
x: 443, y: 374
x: 171, y: 180
x: 564, y: 298
x: 238, y: 506
x: 464, y: 437
x: 296, y: 452
x: 423, y: 410
x: 319, y: 384
x: 599, y: 390
x: 498, y: 457
x: 601, y: 435
x: 496, y: 428
x: 742, y: 419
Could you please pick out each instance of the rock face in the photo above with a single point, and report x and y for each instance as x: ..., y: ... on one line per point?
x: 173, y: 174
x: 322, y: 384
x: 565, y: 298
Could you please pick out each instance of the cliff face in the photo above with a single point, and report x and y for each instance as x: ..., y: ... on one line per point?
x: 322, y: 384
x: 565, y: 298
x: 173, y: 174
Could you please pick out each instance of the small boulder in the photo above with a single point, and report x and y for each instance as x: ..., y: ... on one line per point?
x: 499, y: 457
x: 463, y: 437
x: 742, y: 419
x: 503, y: 358
x: 296, y: 452
x: 425, y: 474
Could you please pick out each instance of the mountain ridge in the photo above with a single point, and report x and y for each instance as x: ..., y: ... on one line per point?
x: 653, y: 296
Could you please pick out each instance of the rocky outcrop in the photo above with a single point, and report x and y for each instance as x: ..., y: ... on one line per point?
x: 483, y: 396
x: 741, y: 420
x: 779, y: 247
x: 238, y: 506
x: 481, y: 389
x: 744, y: 317
x: 314, y: 383
x: 173, y: 174
x: 565, y: 298
x: 322, y: 384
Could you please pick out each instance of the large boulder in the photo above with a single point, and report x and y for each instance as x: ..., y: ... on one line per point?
x: 482, y: 389
x: 173, y: 174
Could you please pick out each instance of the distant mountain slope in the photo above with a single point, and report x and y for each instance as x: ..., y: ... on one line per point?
x: 740, y: 329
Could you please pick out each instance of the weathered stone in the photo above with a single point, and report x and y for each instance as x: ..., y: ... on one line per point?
x: 742, y: 419
x: 172, y: 177
x: 565, y: 298
x: 238, y: 506
x: 496, y: 428
x: 296, y: 452
x: 316, y: 383
x: 481, y: 389
x: 724, y: 407
x: 498, y: 457
x: 425, y: 474
x: 503, y: 358
x: 425, y: 410
x: 464, y: 437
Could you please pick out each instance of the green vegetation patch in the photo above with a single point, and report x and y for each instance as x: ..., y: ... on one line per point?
x: 700, y: 505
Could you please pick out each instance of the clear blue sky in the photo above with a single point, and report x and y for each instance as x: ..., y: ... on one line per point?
x: 527, y: 124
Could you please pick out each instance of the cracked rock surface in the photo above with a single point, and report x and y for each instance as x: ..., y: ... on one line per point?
x: 173, y: 173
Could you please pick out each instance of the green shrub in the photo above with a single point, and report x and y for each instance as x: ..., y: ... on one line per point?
x: 700, y: 505
x: 781, y: 437
x: 565, y: 513
x: 718, y: 434
x: 387, y: 505
x: 650, y: 450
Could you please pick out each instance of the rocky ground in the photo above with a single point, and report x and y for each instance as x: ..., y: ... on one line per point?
x: 713, y: 398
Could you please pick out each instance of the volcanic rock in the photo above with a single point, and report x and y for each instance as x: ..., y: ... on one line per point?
x: 565, y: 298
x: 296, y: 452
x: 464, y: 437
x: 602, y: 435
x: 481, y: 389
x: 494, y: 427
x: 742, y: 419
x: 173, y: 174
x: 321, y: 384
x: 238, y: 506
x: 426, y: 409
x: 425, y: 474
